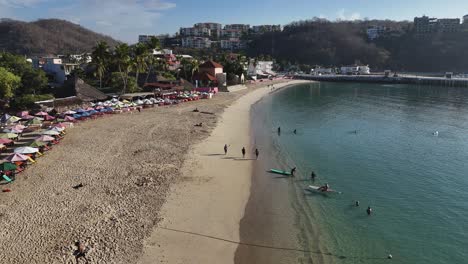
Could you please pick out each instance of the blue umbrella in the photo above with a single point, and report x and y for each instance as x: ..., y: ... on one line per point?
x: 5, y: 118
x: 93, y: 112
x: 79, y: 110
x: 76, y: 116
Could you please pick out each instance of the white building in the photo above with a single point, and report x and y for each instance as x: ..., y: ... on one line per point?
x: 232, y: 44
x: 196, y: 42
x: 55, y: 69
x: 465, y: 19
x: 375, y: 32
x: 239, y: 27
x: 355, y: 70
x: 322, y: 71
x: 262, y: 68
x: 265, y: 28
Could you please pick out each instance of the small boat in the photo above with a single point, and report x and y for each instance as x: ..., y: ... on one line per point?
x: 313, y: 188
x: 280, y: 172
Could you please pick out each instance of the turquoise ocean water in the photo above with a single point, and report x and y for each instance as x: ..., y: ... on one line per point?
x: 416, y: 182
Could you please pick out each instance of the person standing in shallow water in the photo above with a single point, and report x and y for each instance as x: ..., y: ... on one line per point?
x: 313, y: 176
x: 279, y: 130
x: 293, y: 172
x: 225, y: 149
x: 256, y: 153
x: 369, y: 210
x: 243, y: 152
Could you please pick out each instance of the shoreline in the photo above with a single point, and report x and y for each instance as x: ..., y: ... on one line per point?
x: 202, y: 214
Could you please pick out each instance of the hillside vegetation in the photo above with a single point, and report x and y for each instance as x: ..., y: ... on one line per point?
x: 48, y: 36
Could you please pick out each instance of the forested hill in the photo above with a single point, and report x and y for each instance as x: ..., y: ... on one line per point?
x: 47, y: 36
x: 325, y: 43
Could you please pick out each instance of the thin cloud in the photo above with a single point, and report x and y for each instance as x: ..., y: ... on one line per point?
x: 342, y: 15
x: 18, y: 3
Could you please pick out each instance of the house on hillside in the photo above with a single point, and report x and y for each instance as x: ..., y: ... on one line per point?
x: 56, y: 70
x: 210, y: 73
x: 260, y: 69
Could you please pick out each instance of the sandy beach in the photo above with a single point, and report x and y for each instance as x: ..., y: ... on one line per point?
x: 201, y: 218
x: 127, y: 164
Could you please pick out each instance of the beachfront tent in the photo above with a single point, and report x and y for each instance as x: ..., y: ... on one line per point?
x: 17, y: 157
x: 8, y: 135
x: 26, y: 150
x: 42, y: 113
x: 51, y: 133
x: 5, y: 141
x: 45, y: 138
x: 7, y: 166
x: 5, y: 118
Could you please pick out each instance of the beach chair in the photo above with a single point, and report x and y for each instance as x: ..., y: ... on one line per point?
x: 7, y: 179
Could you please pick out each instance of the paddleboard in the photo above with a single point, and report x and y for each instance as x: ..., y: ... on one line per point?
x: 316, y: 188
x: 280, y: 172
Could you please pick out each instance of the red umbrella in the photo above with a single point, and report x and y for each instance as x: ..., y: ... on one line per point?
x: 5, y: 141
x: 48, y: 118
x: 41, y: 114
x: 45, y: 138
x: 16, y: 157
x: 27, y: 117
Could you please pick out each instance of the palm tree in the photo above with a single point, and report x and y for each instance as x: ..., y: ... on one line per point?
x: 152, y: 44
x: 100, y: 57
x: 140, y: 58
x: 195, y: 67
x: 123, y: 61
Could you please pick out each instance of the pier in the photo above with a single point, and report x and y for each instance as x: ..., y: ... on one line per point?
x: 401, y: 79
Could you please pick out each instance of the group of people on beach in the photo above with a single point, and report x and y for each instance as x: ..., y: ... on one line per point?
x: 243, y: 151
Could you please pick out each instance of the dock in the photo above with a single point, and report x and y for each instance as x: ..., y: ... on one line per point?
x: 401, y: 79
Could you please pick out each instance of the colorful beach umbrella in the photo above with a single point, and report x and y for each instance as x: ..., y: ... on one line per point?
x: 13, y: 130
x: 19, y: 127
x: 42, y: 113
x: 49, y: 118
x: 45, y: 138
x: 58, y: 129
x: 70, y: 112
x: 2, y: 146
x: 50, y: 133
x: 27, y: 117
x: 13, y: 119
x: 5, y: 141
x: 7, y: 166
x: 37, y: 144
x: 8, y: 135
x: 34, y: 121
x: 5, y: 118
x: 69, y: 118
x: 17, y: 157
x: 26, y: 150
x: 23, y: 113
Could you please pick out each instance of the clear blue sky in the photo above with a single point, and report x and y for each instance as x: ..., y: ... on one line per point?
x: 126, y: 19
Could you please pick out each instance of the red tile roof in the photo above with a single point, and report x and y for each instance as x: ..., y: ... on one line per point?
x: 211, y: 64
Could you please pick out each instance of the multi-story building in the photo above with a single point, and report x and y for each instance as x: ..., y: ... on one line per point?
x: 196, y: 42
x: 448, y: 24
x: 465, y: 19
x: 265, y: 28
x: 425, y: 25
x: 232, y: 33
x: 215, y: 28
x: 239, y: 27
x: 375, y: 32
x: 195, y: 32
x: 232, y: 44
x: 146, y: 38
x: 56, y: 70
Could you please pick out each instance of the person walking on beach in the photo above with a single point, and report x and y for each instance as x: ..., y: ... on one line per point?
x: 243, y: 152
x: 225, y: 149
x: 256, y: 153
x: 293, y: 171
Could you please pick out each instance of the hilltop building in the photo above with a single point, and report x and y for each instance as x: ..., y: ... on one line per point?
x: 265, y: 28
x: 375, y: 32
x: 56, y: 70
x: 196, y: 42
x: 426, y: 25
x: 260, y: 69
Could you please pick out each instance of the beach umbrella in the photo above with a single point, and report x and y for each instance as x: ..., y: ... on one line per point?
x: 34, y: 121
x: 27, y: 117
x: 13, y: 130
x: 42, y: 113
x: 13, y: 119
x: 49, y: 118
x: 5, y: 118
x: 76, y: 116
x: 139, y: 102
x: 45, y: 138
x: 60, y: 125
x: 58, y: 129
x: 23, y: 113
x: 89, y: 109
x: 17, y: 157
x: 93, y: 112
x: 69, y: 118
x: 37, y: 144
x: 26, y: 150
x: 70, y: 112
x: 8, y: 135
x: 85, y: 114
x: 5, y: 141
x: 80, y: 110
x: 19, y: 127
x: 2, y: 146
x: 7, y: 166
x: 51, y: 133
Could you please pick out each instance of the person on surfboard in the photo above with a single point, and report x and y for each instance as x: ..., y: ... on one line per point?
x: 324, y: 188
